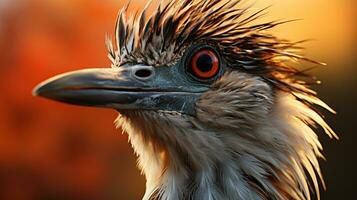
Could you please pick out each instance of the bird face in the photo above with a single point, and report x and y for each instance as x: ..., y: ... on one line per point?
x: 137, y: 87
x: 199, y: 84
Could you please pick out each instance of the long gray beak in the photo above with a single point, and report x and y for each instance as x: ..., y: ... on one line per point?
x: 134, y: 88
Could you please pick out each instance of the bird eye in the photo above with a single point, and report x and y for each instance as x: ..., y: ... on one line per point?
x: 204, y: 64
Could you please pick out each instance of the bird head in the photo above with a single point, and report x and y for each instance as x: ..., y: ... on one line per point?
x: 209, y: 100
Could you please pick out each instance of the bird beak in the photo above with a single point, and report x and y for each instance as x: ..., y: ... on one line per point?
x: 134, y: 88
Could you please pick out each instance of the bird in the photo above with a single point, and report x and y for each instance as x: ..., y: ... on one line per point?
x: 212, y: 102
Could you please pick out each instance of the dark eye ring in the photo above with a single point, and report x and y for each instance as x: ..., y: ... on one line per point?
x: 204, y: 64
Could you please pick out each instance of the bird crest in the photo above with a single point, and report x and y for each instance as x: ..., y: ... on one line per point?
x: 162, y: 38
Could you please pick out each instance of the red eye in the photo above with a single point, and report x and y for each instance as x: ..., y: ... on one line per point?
x: 205, y: 64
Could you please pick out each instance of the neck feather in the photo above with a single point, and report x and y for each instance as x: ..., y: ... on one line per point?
x: 184, y: 158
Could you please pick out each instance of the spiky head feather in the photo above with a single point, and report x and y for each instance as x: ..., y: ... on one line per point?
x: 161, y: 39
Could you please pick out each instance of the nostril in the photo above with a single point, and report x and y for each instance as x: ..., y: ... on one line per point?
x: 143, y: 73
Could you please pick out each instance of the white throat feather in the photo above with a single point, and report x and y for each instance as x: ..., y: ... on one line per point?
x: 183, y: 159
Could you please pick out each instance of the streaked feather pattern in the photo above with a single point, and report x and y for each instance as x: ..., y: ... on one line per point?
x: 254, y: 134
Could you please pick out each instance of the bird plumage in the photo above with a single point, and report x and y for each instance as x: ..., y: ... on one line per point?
x: 261, y: 146
x: 252, y: 137
x: 246, y: 130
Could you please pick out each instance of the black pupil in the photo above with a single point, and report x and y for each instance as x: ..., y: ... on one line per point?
x: 204, y: 63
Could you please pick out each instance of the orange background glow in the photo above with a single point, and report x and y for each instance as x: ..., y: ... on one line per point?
x: 53, y: 151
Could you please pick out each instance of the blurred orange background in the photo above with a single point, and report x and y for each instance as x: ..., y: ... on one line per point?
x: 51, y: 151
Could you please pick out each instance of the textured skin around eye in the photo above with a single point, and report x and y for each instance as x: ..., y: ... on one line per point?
x: 205, y: 64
